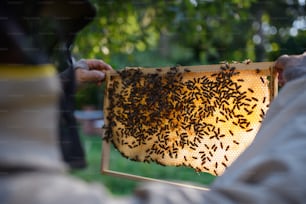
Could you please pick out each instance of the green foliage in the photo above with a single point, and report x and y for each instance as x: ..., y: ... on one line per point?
x: 187, y: 32
x: 89, y: 95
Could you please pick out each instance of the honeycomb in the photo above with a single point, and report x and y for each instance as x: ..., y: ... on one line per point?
x: 202, y: 117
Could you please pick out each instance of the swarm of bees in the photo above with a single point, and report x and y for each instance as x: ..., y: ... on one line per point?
x: 185, y: 116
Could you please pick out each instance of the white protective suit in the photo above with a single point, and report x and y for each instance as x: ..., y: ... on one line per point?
x: 271, y: 170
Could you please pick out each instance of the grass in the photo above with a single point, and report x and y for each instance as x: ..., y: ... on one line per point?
x: 120, y: 186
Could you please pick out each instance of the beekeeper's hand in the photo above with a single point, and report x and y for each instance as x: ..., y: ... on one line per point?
x: 90, y: 70
x: 290, y: 67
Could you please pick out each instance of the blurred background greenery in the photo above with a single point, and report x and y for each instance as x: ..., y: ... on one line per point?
x: 156, y: 33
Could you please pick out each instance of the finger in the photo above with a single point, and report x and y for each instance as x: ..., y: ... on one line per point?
x: 281, y: 79
x: 279, y: 67
x: 98, y: 65
x: 83, y: 76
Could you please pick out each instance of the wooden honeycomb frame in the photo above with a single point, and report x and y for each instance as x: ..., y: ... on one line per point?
x: 254, y: 68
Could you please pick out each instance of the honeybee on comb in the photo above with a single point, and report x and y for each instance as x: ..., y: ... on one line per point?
x: 202, y: 117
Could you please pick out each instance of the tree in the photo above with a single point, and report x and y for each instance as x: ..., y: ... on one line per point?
x: 186, y: 32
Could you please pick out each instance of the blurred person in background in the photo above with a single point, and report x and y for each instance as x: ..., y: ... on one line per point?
x: 36, y: 37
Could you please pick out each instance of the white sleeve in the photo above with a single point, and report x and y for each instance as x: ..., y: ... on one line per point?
x: 271, y: 170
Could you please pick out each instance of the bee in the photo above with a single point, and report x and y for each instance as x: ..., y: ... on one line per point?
x: 158, y: 69
x: 234, y: 141
x: 187, y: 70
x: 173, y: 69
x: 251, y: 90
x: 192, y: 148
x: 255, y: 99
x: 247, y: 61
x: 232, y: 69
x: 262, y: 79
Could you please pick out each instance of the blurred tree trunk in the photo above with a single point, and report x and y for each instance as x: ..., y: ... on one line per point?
x: 163, y: 47
x: 260, y: 48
